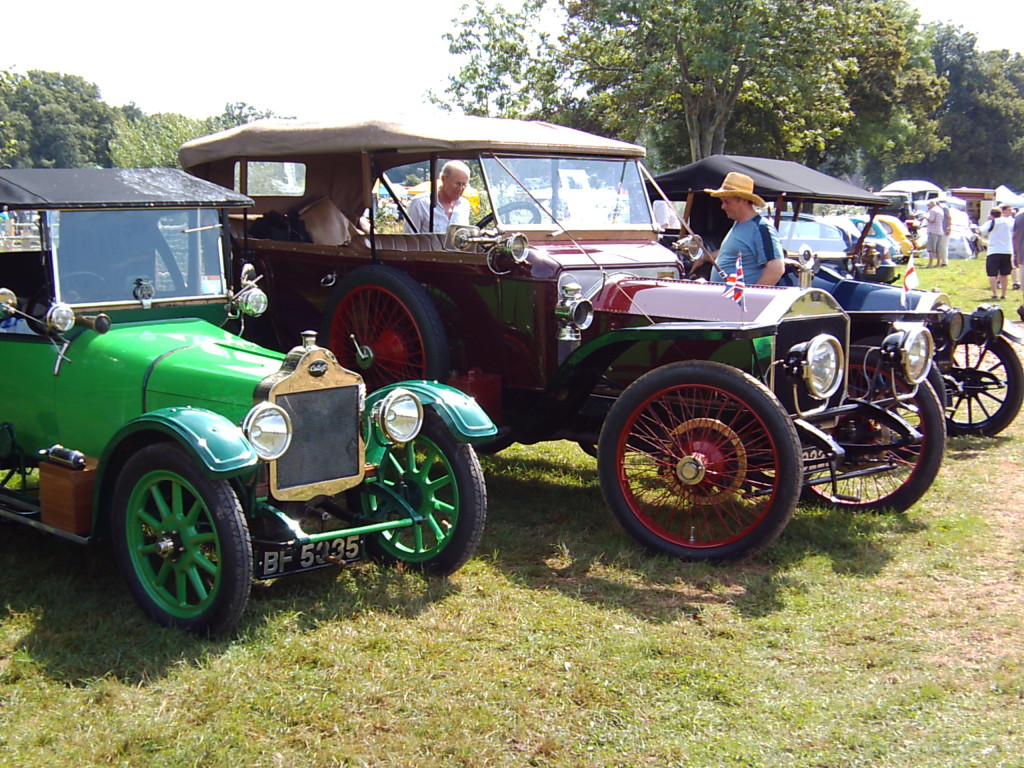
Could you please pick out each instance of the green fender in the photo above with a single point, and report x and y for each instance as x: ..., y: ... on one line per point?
x: 463, y: 416
x: 216, y: 444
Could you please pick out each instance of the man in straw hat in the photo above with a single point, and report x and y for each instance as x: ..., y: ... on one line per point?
x: 752, y: 237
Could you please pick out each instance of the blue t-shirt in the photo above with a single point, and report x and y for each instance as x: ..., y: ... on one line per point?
x: 757, y: 240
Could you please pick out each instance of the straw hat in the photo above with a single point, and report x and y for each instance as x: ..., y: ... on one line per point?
x: 737, y: 185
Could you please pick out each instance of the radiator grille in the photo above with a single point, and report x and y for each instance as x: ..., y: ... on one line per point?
x: 325, y: 425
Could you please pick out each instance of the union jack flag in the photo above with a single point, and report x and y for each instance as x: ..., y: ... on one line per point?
x: 734, y: 284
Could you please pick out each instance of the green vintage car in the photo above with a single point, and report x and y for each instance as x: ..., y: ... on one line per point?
x: 129, y: 411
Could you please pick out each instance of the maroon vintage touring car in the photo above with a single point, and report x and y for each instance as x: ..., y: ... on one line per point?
x: 557, y: 308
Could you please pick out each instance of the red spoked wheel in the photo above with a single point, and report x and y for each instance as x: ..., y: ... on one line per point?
x: 892, y: 476
x: 382, y: 324
x: 700, y: 461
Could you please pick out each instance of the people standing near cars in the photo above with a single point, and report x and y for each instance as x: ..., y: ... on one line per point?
x: 1018, y: 249
x: 934, y: 225
x: 451, y: 207
x: 752, y: 238
x: 998, y: 264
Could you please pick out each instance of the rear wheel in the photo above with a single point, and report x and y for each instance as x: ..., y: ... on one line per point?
x: 988, y: 388
x: 441, y: 480
x: 894, y: 474
x: 181, y: 541
x: 382, y: 323
x: 700, y: 461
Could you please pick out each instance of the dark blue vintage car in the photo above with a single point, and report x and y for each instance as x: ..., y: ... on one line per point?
x: 975, y: 367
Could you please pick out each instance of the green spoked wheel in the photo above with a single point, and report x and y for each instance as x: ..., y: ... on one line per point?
x: 181, y: 541
x: 700, y: 461
x: 441, y: 480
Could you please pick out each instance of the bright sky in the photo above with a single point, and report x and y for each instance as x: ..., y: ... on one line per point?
x: 309, y: 60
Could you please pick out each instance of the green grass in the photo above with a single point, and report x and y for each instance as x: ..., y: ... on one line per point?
x: 966, y: 283
x: 855, y: 640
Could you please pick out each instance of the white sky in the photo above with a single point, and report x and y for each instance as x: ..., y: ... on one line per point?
x: 311, y: 60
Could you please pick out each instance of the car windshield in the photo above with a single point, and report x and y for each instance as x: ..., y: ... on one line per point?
x: 581, y: 193
x: 137, y: 255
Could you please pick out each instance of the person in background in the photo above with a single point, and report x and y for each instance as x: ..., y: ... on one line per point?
x: 451, y: 206
x: 752, y: 237
x: 1018, y: 249
x: 933, y: 226
x: 998, y: 264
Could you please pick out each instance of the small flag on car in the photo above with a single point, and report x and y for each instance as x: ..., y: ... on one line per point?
x: 734, y: 283
x: 909, y: 282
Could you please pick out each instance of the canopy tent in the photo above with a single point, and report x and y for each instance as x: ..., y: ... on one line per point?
x: 1006, y: 196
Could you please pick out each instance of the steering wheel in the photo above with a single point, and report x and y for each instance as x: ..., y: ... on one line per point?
x: 82, y: 286
x: 528, y: 212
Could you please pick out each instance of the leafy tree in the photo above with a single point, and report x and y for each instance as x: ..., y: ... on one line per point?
x: 153, y: 140
x: 144, y: 141
x: 49, y: 119
x: 981, y: 117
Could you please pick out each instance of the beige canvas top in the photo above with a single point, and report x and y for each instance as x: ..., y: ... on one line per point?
x: 439, y: 132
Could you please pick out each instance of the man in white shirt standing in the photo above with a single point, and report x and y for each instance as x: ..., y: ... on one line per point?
x: 998, y: 265
x: 451, y: 206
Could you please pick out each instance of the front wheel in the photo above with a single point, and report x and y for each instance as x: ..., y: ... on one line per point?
x: 441, y: 480
x: 987, y: 388
x: 181, y: 541
x: 886, y: 475
x: 700, y: 461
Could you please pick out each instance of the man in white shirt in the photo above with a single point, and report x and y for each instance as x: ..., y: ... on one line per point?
x: 451, y: 206
x: 998, y: 265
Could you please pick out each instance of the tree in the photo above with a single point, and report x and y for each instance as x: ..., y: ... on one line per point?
x: 981, y: 116
x: 144, y: 141
x: 49, y: 119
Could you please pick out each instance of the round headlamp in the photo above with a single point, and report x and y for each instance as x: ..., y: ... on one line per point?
x: 399, y: 416
x: 516, y: 247
x: 821, y: 364
x: 913, y: 349
x: 955, y: 322
x: 253, y: 301
x: 60, y: 318
x: 269, y: 428
x: 997, y: 319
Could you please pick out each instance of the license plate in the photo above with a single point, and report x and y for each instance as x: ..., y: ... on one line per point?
x: 815, y: 456
x: 307, y: 556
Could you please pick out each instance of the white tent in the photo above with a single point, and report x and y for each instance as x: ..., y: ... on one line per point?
x: 1006, y: 196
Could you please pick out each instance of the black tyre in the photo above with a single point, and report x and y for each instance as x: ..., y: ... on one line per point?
x: 910, y: 468
x: 397, y: 330
x: 442, y: 481
x: 181, y: 541
x: 700, y: 461
x: 988, y: 389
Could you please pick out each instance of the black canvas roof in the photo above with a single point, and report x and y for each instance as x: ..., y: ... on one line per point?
x: 772, y: 179
x: 111, y: 188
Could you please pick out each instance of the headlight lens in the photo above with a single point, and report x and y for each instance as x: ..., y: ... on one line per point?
x: 956, y: 323
x: 269, y: 429
x: 823, y: 366
x: 916, y: 354
x: 253, y: 302
x: 399, y: 416
x: 517, y: 247
x: 997, y: 321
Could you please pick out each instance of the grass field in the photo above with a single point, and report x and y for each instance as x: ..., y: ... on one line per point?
x: 855, y: 640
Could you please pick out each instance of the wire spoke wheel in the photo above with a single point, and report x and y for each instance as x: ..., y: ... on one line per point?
x: 382, y: 324
x: 891, y: 474
x: 700, y: 461
x: 987, y: 388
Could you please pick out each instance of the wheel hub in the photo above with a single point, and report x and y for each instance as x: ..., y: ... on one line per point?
x: 165, y: 546
x: 690, y: 470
